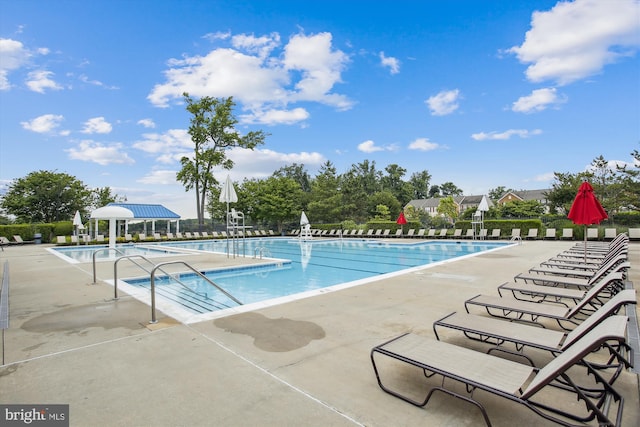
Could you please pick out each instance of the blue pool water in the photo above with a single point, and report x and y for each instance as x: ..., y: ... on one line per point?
x: 83, y: 253
x: 308, y: 265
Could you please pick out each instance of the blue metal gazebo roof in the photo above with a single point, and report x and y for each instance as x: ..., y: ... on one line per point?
x: 142, y: 211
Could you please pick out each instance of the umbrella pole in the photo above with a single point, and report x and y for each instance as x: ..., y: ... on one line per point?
x: 585, y: 244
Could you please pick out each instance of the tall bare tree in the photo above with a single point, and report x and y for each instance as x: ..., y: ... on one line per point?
x: 213, y: 132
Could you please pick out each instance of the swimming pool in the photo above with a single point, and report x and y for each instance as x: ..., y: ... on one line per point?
x: 303, y: 267
x: 84, y: 253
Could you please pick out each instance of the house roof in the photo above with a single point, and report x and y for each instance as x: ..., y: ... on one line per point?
x: 142, y: 211
x: 528, y: 194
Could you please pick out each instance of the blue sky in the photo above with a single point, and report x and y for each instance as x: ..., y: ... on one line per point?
x: 479, y: 93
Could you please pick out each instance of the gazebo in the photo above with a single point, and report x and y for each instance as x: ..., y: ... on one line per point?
x: 134, y: 212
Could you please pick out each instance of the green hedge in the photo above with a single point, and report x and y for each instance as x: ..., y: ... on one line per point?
x: 48, y: 231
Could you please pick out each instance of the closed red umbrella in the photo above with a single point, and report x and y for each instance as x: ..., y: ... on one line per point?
x: 586, y: 210
x: 401, y: 220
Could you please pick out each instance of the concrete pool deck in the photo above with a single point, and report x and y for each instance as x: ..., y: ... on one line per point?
x: 304, y: 362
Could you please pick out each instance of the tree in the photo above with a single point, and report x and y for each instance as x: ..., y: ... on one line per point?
x: 420, y: 182
x: 383, y: 198
x: 630, y: 179
x: 46, y: 196
x: 496, y: 193
x: 450, y: 189
x: 522, y: 209
x: 277, y: 200
x: 325, y: 204
x: 358, y: 184
x: 212, y: 132
x: 448, y: 208
x: 102, y: 197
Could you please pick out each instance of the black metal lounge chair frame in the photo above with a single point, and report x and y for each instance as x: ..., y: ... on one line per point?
x: 597, y: 405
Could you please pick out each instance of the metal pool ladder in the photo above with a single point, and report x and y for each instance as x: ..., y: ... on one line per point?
x: 202, y: 276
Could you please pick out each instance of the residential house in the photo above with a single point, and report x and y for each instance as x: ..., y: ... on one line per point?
x: 462, y: 202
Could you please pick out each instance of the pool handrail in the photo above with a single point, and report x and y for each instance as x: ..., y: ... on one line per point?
x: 115, y: 270
x: 118, y: 251
x: 202, y: 276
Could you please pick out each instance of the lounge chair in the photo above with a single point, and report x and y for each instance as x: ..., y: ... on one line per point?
x: 495, y: 233
x: 592, y: 234
x: 421, y: 232
x: 567, y: 234
x: 398, y: 233
x: 170, y: 236
x: 514, y: 381
x: 515, y: 233
x: 443, y: 233
x: 157, y: 236
x: 567, y: 318
x: 589, y: 266
x: 634, y: 233
x: 61, y: 240
x: 196, y: 234
x: 361, y: 232
x: 498, y: 332
x: 532, y: 234
x: 74, y: 239
x: 128, y: 237
x: 18, y: 240
x: 612, y: 283
x: 179, y: 235
x: 411, y: 233
x: 386, y: 232
x: 205, y: 235
x: 457, y: 233
x: 188, y: 235
x: 618, y: 263
x: 370, y: 232
x: 550, y: 234
x: 595, y: 254
x: 4, y: 242
x: 99, y: 238
x: 609, y: 234
x: 431, y: 233
x: 483, y: 233
x: 567, y: 281
x: 142, y: 237
x: 378, y: 232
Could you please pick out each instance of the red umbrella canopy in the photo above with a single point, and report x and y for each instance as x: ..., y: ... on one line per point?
x: 586, y: 209
x: 401, y: 219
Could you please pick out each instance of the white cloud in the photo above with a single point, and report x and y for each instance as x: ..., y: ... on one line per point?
x: 371, y: 147
x: 502, y: 136
x: 217, y: 36
x: 423, y: 144
x: 391, y: 62
x: 97, y: 125
x: 538, y: 100
x: 148, y: 123
x: 168, y: 147
x: 273, y: 117
x: 92, y: 151
x: 261, y: 46
x: 577, y: 39
x: 162, y: 177
x: 443, y: 103
x: 43, y: 124
x: 13, y: 55
x: 259, y: 75
x: 261, y: 163
x: 39, y: 81
x: 545, y: 177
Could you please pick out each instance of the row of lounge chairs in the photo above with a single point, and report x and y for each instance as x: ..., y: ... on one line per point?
x: 588, y: 351
x: 458, y: 233
x: 142, y: 237
x: 17, y: 240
